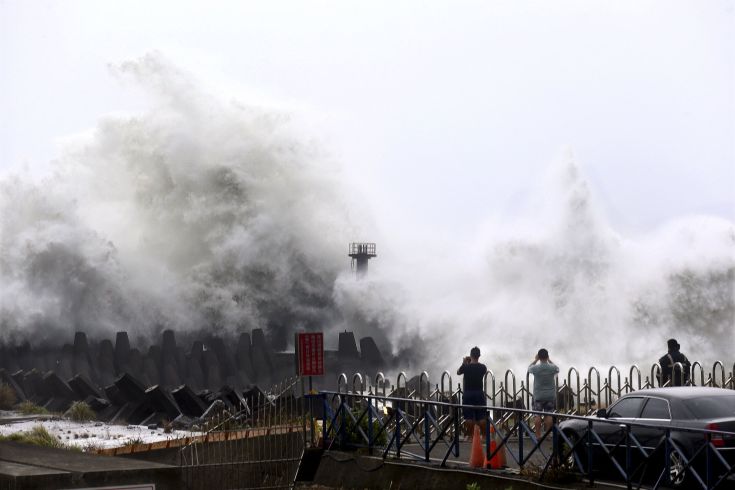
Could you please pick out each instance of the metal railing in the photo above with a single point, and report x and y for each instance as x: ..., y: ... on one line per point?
x: 428, y: 429
x: 361, y: 248
x: 576, y: 394
x: 254, y: 443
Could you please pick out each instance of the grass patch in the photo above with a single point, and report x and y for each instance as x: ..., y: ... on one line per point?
x: 38, y: 436
x: 7, y: 397
x: 91, y: 447
x: 554, y: 474
x: 134, y: 441
x: 29, y: 408
x: 80, y: 412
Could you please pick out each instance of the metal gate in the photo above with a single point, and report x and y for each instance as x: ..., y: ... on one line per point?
x: 256, y: 442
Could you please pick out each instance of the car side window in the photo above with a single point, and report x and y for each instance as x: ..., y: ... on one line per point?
x: 656, y: 408
x: 628, y: 407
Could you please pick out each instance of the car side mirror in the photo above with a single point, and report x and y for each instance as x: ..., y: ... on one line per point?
x: 602, y: 413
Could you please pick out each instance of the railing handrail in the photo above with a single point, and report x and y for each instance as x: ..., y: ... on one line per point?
x: 392, y: 399
x: 358, y: 377
x: 401, y: 430
x: 423, y: 375
x: 590, y: 387
x: 380, y: 376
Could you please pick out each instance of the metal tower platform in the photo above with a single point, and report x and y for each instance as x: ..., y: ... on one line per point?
x: 360, y: 253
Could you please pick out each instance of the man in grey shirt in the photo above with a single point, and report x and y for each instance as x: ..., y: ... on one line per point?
x: 544, y: 388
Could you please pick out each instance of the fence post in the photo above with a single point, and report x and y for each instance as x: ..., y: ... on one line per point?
x: 635, y: 368
x: 619, y: 391
x: 456, y: 431
x: 519, y: 424
x: 423, y: 375
x: 487, y: 433
x: 627, y: 455
x: 303, y: 411
x: 513, y: 379
x: 697, y: 365
x: 492, y: 388
x: 370, y: 427
x: 398, y: 432
x: 427, y: 435
x: 657, y: 373
x: 358, y: 377
x: 714, y: 373
x: 667, y: 455
x: 325, y: 415
x: 590, y: 452
x: 707, y: 459
x: 579, y: 391
x: 554, y: 441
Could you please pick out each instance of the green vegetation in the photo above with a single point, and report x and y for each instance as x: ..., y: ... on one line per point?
x: 91, y: 447
x: 554, y: 474
x: 134, y: 441
x: 472, y: 486
x: 7, y: 397
x: 80, y: 412
x: 355, y: 437
x: 29, y: 408
x: 38, y: 436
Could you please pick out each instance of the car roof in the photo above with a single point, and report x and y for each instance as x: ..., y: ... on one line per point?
x: 682, y: 392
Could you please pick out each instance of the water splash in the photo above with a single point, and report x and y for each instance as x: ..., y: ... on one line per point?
x: 205, y: 214
x: 560, y: 277
x: 198, y: 214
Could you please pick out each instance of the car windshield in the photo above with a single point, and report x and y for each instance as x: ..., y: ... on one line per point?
x: 712, y: 407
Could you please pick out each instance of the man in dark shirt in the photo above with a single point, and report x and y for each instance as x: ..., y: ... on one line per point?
x: 474, y: 394
x: 669, y: 365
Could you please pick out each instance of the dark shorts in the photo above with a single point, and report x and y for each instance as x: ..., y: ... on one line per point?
x: 544, y: 406
x: 474, y: 397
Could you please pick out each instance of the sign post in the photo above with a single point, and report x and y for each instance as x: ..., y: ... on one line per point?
x: 309, y: 350
x: 310, y: 353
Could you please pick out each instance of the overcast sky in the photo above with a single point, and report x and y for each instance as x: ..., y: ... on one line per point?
x: 443, y: 113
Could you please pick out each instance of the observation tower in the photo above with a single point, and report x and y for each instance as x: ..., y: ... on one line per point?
x: 360, y: 254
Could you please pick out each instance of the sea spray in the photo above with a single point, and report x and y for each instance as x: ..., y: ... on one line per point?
x: 213, y: 215
x: 199, y: 214
x: 559, y: 276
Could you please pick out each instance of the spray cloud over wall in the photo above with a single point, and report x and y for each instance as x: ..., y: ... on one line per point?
x: 558, y: 276
x: 204, y: 214
x: 197, y: 214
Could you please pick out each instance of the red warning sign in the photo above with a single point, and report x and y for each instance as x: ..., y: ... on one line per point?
x: 310, y: 353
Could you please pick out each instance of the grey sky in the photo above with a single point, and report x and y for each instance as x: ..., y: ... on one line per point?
x: 444, y: 114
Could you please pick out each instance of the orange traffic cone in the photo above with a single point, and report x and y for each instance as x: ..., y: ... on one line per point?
x: 497, y: 461
x: 502, y: 463
x: 493, y: 462
x: 476, y: 455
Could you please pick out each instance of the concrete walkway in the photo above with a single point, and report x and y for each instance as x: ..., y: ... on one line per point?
x: 34, y: 467
x: 538, y: 458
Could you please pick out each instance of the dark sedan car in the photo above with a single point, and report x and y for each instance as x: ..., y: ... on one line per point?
x: 635, y: 434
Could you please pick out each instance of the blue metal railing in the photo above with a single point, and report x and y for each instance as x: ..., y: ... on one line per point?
x: 429, y: 430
